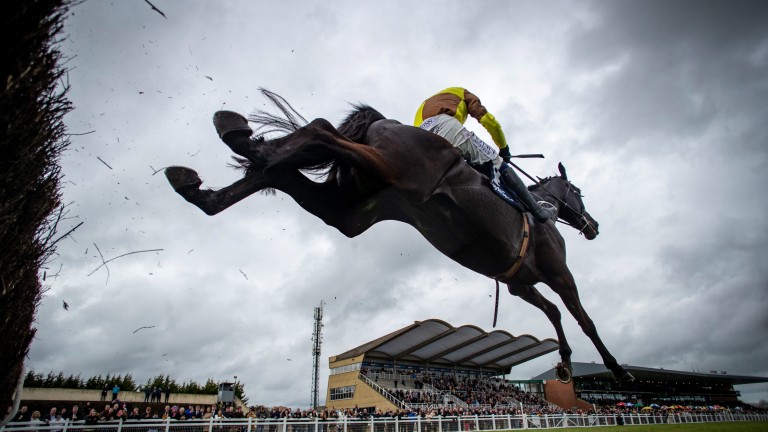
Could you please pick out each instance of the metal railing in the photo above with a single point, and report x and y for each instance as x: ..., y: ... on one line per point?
x: 382, y: 391
x: 430, y: 387
x: 385, y: 424
x: 513, y: 401
x: 449, y: 399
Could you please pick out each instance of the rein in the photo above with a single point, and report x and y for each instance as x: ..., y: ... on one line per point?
x: 565, y: 204
x: 562, y: 201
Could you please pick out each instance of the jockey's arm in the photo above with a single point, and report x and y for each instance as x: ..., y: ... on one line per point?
x: 486, y: 119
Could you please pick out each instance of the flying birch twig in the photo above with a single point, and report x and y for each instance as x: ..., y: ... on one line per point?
x: 104, y: 262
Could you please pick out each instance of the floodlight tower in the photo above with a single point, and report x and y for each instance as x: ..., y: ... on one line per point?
x: 317, y: 340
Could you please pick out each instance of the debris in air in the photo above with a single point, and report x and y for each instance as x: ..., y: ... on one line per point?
x: 156, y: 9
x: 102, y: 161
x: 104, y: 262
x: 145, y: 327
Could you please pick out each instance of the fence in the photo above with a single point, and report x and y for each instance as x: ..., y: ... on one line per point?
x: 388, y: 424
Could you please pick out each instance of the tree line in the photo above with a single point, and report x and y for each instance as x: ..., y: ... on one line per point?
x: 125, y: 382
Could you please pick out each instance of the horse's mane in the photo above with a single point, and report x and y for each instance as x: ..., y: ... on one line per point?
x: 542, y: 181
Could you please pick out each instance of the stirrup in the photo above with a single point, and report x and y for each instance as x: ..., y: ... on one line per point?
x: 539, y: 214
x: 549, y: 208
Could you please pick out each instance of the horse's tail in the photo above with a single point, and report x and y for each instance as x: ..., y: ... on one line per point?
x: 287, y: 121
x: 358, y: 121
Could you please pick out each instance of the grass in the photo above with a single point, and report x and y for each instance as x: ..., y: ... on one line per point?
x: 688, y: 427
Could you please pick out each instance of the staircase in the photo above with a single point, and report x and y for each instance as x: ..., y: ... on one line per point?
x: 382, y: 391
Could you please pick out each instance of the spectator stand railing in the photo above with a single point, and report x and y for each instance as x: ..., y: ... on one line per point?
x: 419, y: 406
x: 381, y: 390
x: 444, y: 395
x: 387, y: 424
x: 451, y: 400
x: 515, y: 403
x: 431, y: 388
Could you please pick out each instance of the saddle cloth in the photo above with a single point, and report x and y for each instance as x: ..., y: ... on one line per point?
x: 500, y: 187
x: 507, y: 194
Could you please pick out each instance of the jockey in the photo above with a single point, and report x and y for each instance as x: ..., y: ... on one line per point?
x: 445, y: 113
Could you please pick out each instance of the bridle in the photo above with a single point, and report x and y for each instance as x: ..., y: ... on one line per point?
x: 583, y: 223
x: 582, y: 220
x: 571, y: 188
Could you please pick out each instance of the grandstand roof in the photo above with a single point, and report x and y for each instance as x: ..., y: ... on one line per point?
x: 584, y: 370
x: 438, y: 343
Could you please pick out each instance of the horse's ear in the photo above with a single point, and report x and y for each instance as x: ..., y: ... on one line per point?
x: 562, y: 171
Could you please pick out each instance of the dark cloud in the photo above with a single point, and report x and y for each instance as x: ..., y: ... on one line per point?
x: 662, y: 72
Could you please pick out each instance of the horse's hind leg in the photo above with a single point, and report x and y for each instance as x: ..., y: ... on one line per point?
x: 233, y: 129
x: 530, y: 294
x: 305, y: 146
x: 565, y: 287
x: 186, y: 183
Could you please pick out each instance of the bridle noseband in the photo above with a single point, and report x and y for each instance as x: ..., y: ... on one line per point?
x: 579, y: 214
x: 571, y: 188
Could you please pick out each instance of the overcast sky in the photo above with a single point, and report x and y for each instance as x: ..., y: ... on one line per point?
x: 657, y: 109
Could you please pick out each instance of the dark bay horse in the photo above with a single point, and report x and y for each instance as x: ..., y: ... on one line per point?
x: 376, y: 169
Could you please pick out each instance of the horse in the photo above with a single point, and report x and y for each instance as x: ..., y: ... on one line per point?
x: 374, y: 169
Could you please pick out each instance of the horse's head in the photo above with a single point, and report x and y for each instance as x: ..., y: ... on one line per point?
x: 567, y: 198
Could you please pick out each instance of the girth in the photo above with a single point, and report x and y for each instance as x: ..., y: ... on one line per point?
x: 515, y: 266
x: 521, y: 255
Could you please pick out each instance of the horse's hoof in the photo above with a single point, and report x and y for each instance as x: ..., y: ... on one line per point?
x: 563, y: 373
x: 230, y: 121
x: 626, y: 377
x: 182, y: 177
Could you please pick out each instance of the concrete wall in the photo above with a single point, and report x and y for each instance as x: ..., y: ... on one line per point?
x: 332, y: 363
x: 60, y: 394
x: 364, y: 397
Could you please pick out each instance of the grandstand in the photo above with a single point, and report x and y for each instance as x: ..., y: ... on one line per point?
x: 432, y: 366
x: 594, y: 384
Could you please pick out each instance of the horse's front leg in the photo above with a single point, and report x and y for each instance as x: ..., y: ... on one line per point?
x: 530, y: 294
x: 566, y: 288
x: 186, y: 183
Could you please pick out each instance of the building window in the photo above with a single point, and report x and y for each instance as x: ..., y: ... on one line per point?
x: 346, y: 392
x: 347, y: 368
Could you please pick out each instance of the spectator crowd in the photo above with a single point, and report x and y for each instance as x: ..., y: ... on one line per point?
x: 423, y: 395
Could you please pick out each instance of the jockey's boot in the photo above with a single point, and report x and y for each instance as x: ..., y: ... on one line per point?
x: 513, y: 181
